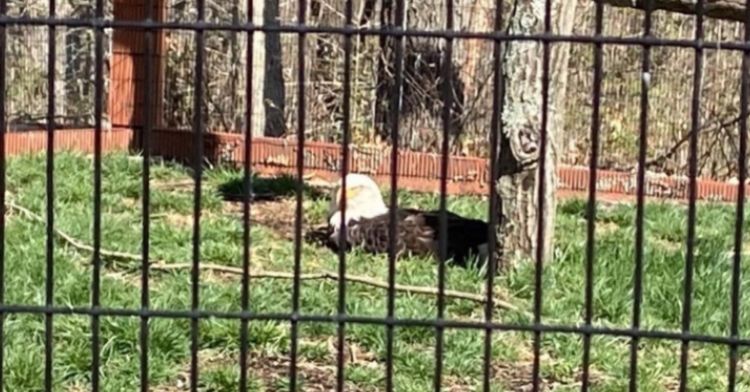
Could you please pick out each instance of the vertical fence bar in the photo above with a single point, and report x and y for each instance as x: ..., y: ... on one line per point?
x: 640, y: 197
x: 734, y: 327
x: 447, y: 93
x: 200, y: 47
x: 146, y: 198
x: 539, y: 268
x: 591, y: 208
x: 301, y: 15
x: 97, y: 226
x: 394, y: 125
x: 96, y: 311
x: 247, y: 194
x: 494, y: 208
x: 3, y: 172
x: 50, y: 193
x: 687, y: 301
x: 346, y: 125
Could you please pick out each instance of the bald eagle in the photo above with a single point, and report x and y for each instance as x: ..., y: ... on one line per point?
x: 417, y: 232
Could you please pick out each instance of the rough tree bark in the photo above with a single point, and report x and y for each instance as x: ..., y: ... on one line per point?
x: 519, y: 181
x: 268, y: 81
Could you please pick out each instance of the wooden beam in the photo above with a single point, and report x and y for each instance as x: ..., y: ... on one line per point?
x: 128, y: 74
x: 718, y: 9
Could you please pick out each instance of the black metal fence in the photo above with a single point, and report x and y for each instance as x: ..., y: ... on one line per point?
x: 587, y: 330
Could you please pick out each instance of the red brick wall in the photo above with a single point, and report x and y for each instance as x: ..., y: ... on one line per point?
x: 416, y: 171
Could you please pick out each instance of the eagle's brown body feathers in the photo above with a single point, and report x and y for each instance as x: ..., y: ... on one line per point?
x: 417, y: 233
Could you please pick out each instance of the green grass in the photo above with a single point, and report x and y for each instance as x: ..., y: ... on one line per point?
x: 221, y: 243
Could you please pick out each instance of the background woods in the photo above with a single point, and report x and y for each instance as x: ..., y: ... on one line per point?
x: 422, y: 100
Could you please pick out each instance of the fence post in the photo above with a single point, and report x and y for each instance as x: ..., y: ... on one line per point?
x: 127, y: 80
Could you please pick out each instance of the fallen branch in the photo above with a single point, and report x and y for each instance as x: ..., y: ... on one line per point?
x: 72, y: 241
x: 323, y: 275
x: 326, y: 275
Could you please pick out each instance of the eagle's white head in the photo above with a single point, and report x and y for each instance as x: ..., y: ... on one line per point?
x: 363, y: 200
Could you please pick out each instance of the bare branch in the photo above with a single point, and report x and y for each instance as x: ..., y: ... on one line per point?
x: 712, y: 127
x: 719, y: 9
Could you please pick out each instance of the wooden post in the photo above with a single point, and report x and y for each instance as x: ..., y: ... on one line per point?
x: 128, y: 67
x: 258, y: 125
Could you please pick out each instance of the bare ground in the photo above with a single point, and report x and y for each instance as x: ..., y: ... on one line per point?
x: 272, y: 370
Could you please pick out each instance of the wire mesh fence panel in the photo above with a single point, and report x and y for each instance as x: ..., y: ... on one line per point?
x: 235, y: 209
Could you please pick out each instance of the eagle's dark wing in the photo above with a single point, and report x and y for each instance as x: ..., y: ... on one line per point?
x: 323, y: 236
x: 464, y: 237
x: 371, y: 234
x: 417, y: 233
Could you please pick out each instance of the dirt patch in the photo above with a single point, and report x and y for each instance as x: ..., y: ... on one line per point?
x: 180, y: 185
x: 277, y: 215
x: 604, y: 228
x: 518, y: 376
x: 177, y: 220
x: 311, y: 376
x: 78, y: 388
x: 319, y: 374
x: 671, y: 384
x: 272, y: 370
x: 131, y: 202
x: 667, y: 245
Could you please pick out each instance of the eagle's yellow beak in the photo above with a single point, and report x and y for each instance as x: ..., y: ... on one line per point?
x: 351, y: 192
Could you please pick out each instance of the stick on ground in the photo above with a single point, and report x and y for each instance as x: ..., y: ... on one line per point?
x: 160, y: 265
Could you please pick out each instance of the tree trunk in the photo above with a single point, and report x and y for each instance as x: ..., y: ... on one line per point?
x: 268, y: 81
x: 61, y: 63
x: 384, y: 80
x: 518, y: 185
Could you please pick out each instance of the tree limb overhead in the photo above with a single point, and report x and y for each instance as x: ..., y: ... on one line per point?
x: 719, y: 9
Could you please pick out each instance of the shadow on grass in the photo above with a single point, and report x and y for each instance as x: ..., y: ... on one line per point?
x: 266, y: 189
